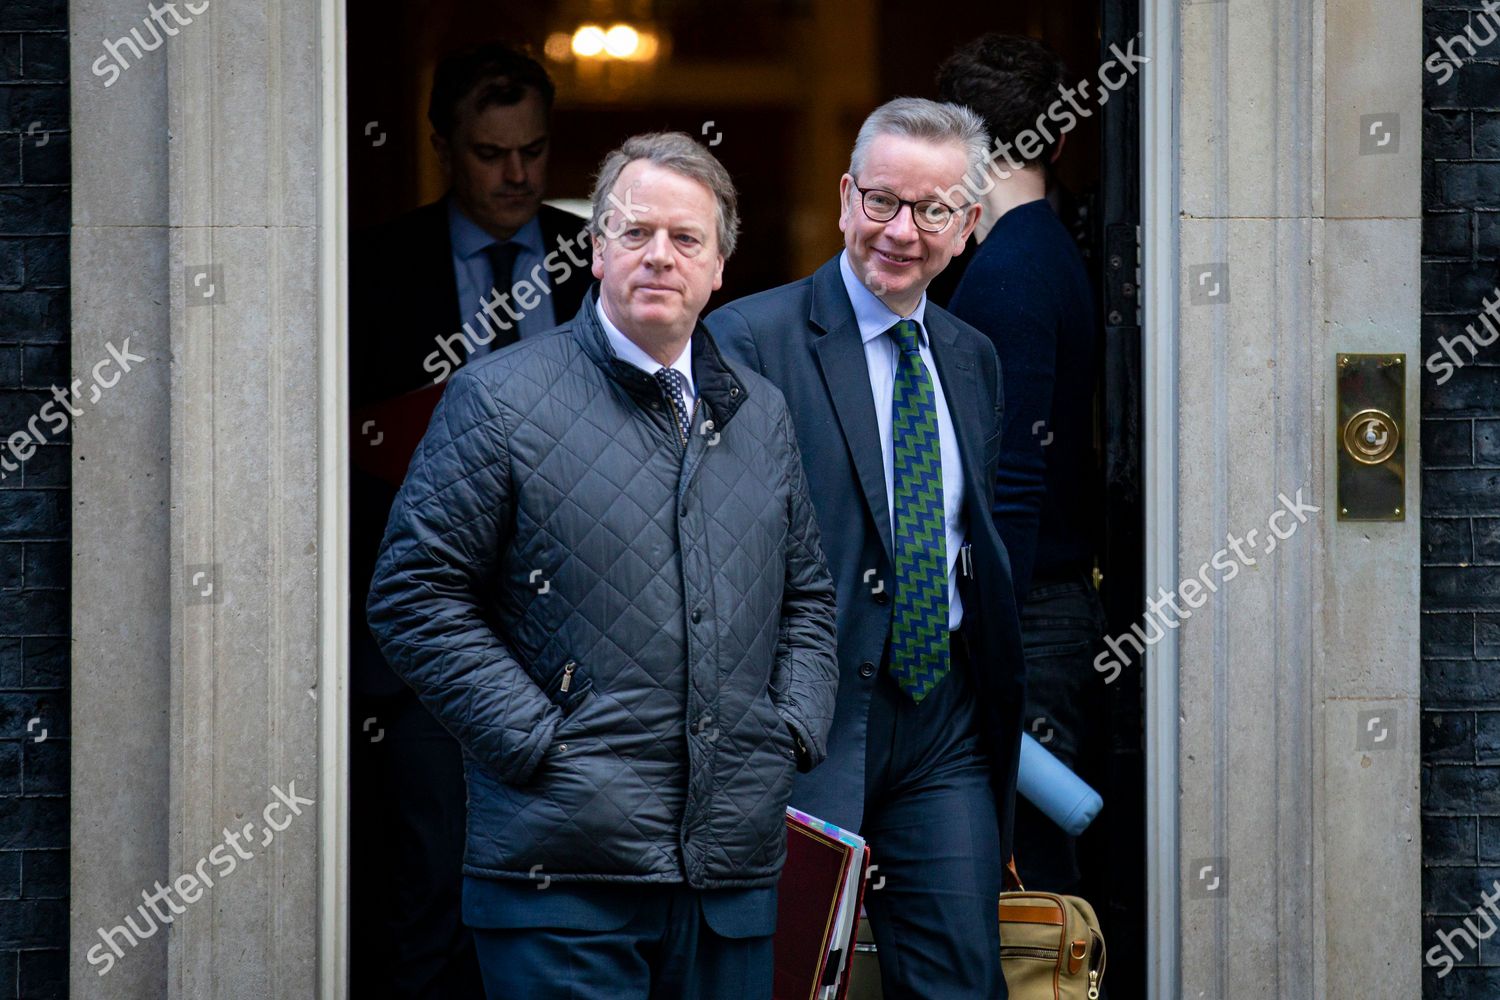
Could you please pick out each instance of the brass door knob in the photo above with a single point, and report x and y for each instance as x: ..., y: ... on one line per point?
x: 1371, y: 436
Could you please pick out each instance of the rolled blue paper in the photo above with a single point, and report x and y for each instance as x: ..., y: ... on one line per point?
x: 1062, y: 796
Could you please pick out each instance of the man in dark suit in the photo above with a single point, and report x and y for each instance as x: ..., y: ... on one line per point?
x: 484, y: 265
x: 897, y: 406
x: 424, y: 289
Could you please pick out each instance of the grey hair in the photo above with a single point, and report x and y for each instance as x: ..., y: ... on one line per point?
x: 680, y: 153
x: 919, y: 118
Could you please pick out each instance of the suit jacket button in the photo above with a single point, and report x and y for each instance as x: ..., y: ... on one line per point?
x: 882, y: 598
x: 867, y: 669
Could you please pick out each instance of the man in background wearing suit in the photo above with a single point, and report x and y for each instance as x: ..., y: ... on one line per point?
x: 476, y: 270
x: 425, y: 292
x: 898, y: 409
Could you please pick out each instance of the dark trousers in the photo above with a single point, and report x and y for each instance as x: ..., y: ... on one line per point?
x: 931, y: 825
x: 408, y: 802
x: 586, y: 941
x: 1062, y: 624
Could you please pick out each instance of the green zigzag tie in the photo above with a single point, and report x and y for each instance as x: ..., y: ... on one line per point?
x: 919, y: 621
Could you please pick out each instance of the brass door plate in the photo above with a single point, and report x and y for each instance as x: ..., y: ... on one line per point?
x: 1371, y: 437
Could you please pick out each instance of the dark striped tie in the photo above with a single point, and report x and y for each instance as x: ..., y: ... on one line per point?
x: 502, y: 263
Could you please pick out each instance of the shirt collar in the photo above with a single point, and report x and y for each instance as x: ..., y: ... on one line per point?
x: 629, y: 351
x: 874, y: 316
x: 469, y: 239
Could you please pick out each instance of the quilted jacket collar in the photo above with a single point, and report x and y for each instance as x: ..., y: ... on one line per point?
x: 716, y: 383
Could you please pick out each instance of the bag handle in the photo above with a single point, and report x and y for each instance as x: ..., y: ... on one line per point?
x: 1010, y: 879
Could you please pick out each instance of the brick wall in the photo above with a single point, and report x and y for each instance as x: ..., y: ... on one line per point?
x: 1460, y: 507
x: 34, y: 497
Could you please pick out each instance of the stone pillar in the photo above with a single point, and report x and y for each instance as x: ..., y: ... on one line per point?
x: 1299, y: 841
x: 200, y: 516
x: 121, y: 482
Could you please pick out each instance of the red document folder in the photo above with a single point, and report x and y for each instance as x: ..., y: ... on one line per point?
x: 386, y: 434
x: 824, y: 876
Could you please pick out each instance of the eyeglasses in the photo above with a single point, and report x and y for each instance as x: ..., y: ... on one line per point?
x: 881, y: 205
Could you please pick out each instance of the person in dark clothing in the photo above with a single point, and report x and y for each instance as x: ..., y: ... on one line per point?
x: 485, y: 264
x: 603, y: 575
x: 1026, y: 288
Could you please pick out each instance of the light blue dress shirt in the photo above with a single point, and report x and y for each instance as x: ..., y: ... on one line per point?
x: 628, y: 350
x: 881, y: 354
x: 471, y: 268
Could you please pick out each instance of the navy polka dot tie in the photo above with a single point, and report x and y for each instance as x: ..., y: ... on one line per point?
x: 674, y: 387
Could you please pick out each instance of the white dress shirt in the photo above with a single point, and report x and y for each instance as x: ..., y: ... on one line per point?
x: 628, y: 350
x: 475, y: 277
x: 875, y: 318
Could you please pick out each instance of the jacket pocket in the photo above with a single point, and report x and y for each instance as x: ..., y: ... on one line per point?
x: 779, y: 735
x: 784, y: 739
x: 568, y: 686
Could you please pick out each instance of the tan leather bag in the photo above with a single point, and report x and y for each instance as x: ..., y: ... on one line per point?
x: 1051, y: 947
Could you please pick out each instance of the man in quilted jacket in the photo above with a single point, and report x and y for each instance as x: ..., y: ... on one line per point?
x: 603, y: 576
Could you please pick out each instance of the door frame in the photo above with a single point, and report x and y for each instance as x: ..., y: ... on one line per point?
x: 1159, y: 300
x: 1159, y: 242
x: 333, y: 508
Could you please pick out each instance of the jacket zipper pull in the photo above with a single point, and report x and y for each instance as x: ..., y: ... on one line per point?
x: 677, y: 407
x: 567, y: 680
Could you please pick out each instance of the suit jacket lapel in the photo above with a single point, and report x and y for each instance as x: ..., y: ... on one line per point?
x: 841, y: 355
x: 958, y: 369
x: 567, y: 294
x: 436, y: 281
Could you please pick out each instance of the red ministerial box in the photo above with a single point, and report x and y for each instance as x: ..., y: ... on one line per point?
x: 818, y: 900
x: 385, y: 435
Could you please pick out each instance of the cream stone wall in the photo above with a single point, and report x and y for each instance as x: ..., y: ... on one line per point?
x: 1313, y: 833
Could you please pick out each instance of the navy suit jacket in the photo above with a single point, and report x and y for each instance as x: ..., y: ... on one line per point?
x: 805, y: 339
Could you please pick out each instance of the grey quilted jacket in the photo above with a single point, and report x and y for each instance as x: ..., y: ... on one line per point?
x: 616, y: 626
